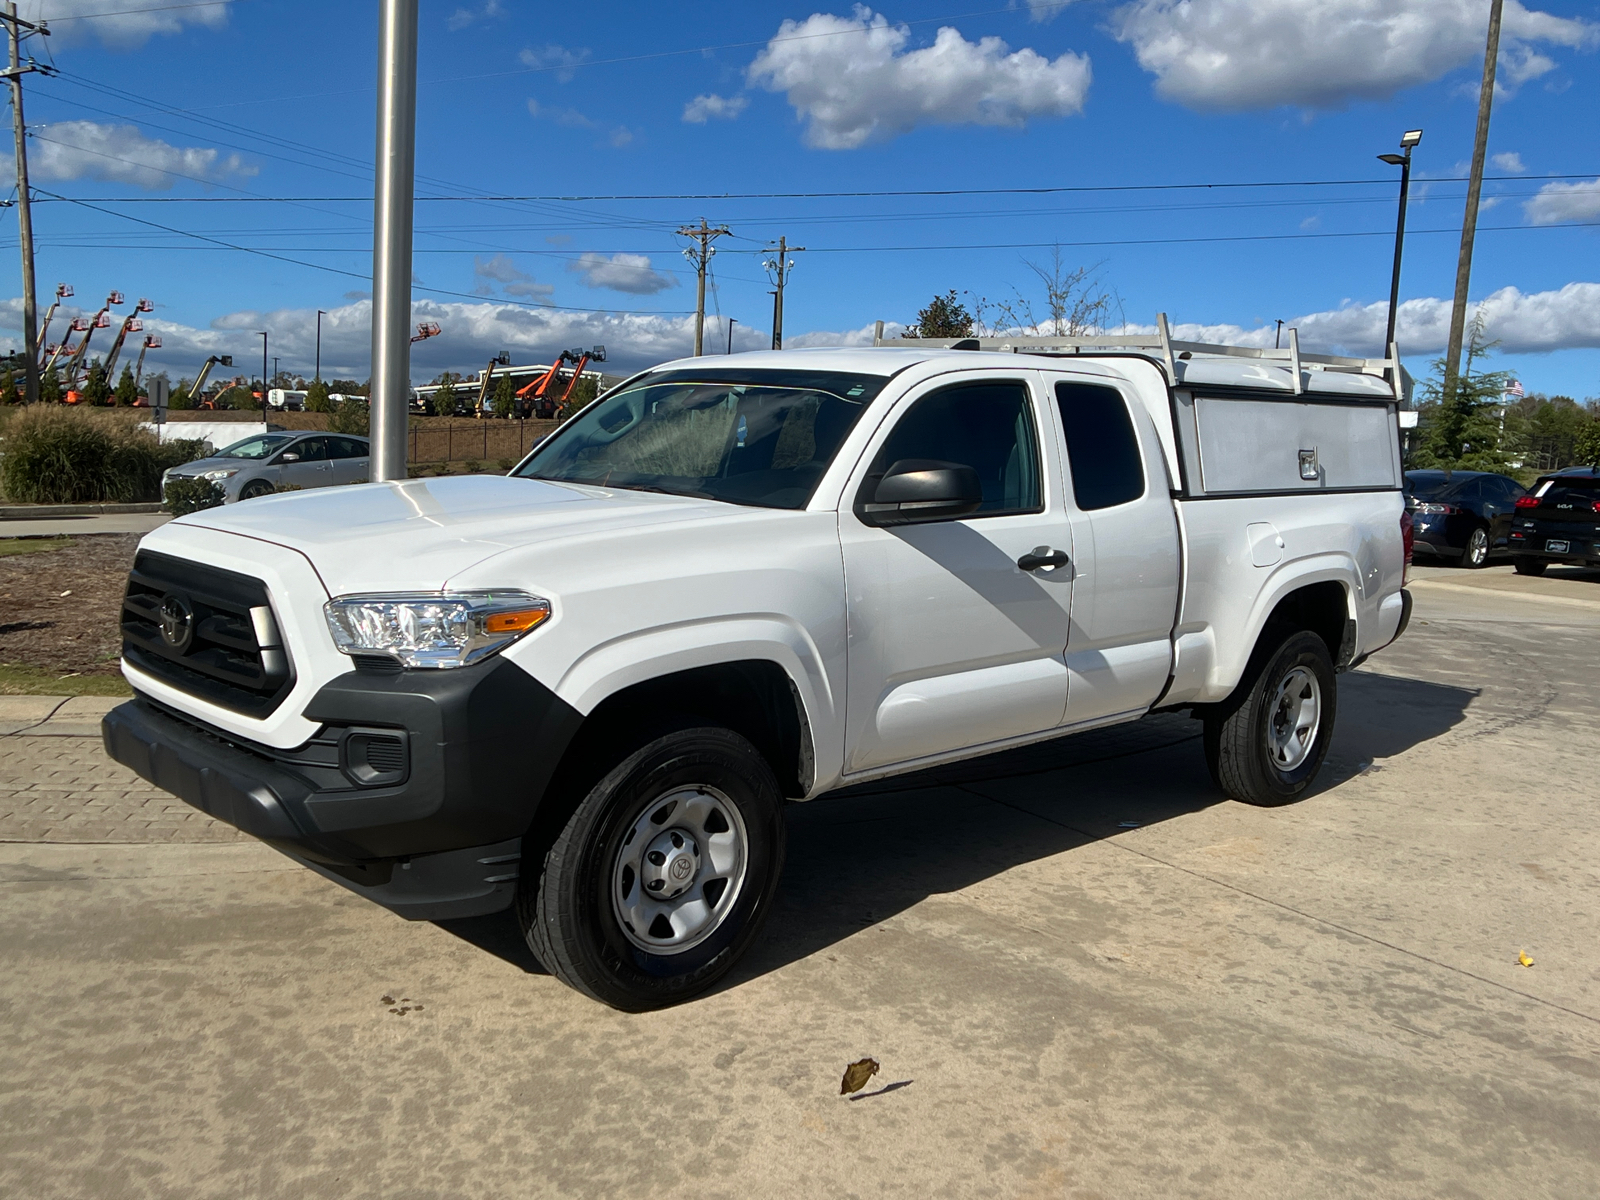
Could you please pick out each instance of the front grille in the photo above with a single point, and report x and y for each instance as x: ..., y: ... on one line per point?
x: 207, y: 632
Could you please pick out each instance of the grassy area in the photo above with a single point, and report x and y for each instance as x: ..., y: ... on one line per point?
x: 19, y: 680
x: 12, y: 546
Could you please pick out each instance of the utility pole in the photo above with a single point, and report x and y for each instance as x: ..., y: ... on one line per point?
x: 320, y: 315
x: 30, y: 304
x: 732, y: 321
x: 780, y: 268
x: 391, y: 236
x: 700, y: 255
x: 1469, y: 223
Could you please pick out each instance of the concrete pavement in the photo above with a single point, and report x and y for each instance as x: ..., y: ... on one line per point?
x: 77, y: 526
x: 1084, y: 976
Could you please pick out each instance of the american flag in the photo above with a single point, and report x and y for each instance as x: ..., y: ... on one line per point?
x: 1514, y: 388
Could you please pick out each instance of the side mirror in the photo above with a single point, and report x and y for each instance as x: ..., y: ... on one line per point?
x: 288, y: 456
x: 922, y: 489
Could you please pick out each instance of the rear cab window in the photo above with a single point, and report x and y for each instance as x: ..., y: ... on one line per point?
x: 1102, y: 446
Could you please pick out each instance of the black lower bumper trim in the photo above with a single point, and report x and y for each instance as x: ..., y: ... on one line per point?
x: 437, y: 887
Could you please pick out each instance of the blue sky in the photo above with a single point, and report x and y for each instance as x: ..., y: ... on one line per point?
x: 186, y: 117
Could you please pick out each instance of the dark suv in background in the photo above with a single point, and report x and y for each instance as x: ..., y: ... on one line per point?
x: 1464, y: 516
x: 1558, y: 521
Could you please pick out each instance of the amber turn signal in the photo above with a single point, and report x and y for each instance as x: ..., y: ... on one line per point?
x: 520, y: 621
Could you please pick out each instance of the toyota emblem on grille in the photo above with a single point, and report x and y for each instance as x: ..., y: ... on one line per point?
x: 177, y: 621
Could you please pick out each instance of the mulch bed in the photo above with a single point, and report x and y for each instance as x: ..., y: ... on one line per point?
x: 59, y: 610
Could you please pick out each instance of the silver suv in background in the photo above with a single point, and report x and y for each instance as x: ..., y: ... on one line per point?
x: 260, y: 465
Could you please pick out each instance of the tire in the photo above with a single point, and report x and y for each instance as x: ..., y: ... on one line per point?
x: 686, y: 811
x: 1476, y: 555
x: 255, y: 488
x: 1253, y: 755
x: 1529, y: 566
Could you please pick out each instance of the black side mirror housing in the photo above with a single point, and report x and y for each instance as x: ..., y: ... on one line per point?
x: 921, y: 489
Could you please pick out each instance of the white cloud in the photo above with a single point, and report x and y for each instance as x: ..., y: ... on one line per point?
x: 1510, y: 162
x: 513, y: 280
x: 1243, y: 54
x: 620, y: 136
x: 852, y: 80
x: 1558, y: 202
x: 67, y: 150
x: 1524, y: 323
x: 463, y: 17
x: 713, y: 107
x: 121, y: 29
x: 1046, y: 10
x: 558, y: 59
x: 845, y: 337
x: 631, y: 273
x: 570, y: 117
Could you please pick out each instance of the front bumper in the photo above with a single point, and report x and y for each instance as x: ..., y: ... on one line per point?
x: 435, y: 834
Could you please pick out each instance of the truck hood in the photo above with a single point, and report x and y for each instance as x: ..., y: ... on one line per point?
x: 417, y: 534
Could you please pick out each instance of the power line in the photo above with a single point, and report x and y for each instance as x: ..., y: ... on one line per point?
x: 124, y: 12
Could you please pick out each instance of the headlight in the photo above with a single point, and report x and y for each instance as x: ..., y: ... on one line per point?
x: 221, y: 473
x: 434, y: 629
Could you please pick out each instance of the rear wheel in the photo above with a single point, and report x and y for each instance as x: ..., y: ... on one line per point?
x: 1477, y: 552
x: 663, y: 876
x: 1265, y: 744
x: 1529, y: 566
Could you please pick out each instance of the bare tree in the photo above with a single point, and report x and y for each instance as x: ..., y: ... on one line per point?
x: 1076, y: 302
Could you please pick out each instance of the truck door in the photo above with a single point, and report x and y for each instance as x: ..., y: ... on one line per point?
x: 1126, y: 563
x: 951, y: 643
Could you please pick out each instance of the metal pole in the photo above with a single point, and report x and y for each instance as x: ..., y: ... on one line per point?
x: 732, y: 321
x: 263, y: 374
x: 30, y: 309
x: 1399, y: 244
x: 320, y: 315
x: 391, y: 236
x: 1469, y: 223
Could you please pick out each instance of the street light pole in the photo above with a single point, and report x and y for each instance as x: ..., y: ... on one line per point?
x: 262, y: 334
x: 1407, y: 140
x: 318, y: 372
x: 391, y: 236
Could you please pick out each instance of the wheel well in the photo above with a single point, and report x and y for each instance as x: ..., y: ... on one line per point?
x: 1323, y: 609
x: 755, y: 698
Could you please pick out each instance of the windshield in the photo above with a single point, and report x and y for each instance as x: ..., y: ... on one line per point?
x: 746, y: 437
x: 1431, y: 487
x: 256, y: 447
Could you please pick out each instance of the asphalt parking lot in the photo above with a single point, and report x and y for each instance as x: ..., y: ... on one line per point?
x: 1084, y: 975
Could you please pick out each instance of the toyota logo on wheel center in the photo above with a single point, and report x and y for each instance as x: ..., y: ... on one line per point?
x: 177, y: 621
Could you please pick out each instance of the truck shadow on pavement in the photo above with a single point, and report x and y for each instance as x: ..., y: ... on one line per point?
x: 860, y: 855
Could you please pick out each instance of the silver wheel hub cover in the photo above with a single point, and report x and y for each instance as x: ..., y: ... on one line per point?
x: 1294, y: 719
x: 679, y: 869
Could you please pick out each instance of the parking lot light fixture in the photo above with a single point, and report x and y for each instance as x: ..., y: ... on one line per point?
x: 1407, y: 140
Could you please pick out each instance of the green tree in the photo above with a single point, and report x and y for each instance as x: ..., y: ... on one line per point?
x: 505, y: 397
x: 945, y: 317
x: 96, y: 388
x: 50, y: 387
x: 352, y: 416
x: 179, y: 397
x: 9, y: 393
x: 1587, y: 450
x: 127, y: 390
x: 237, y: 397
x: 583, y: 391
x: 317, y: 398
x: 444, y: 400
x: 347, y: 387
x: 1462, y: 430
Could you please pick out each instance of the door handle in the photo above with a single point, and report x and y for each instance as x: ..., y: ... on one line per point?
x: 1043, y: 558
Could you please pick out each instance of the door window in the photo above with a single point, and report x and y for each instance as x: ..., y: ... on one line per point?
x: 987, y: 426
x: 1102, y: 447
x: 311, y: 449
x: 339, y: 447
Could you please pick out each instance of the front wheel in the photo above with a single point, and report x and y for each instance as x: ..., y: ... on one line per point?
x: 1477, y: 552
x: 1529, y: 566
x: 1265, y: 744
x: 663, y: 876
x: 256, y: 488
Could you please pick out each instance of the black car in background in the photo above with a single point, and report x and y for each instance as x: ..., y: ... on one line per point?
x: 1463, y: 516
x: 1558, y: 521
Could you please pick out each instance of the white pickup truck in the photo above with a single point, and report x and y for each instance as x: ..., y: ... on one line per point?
x: 587, y: 689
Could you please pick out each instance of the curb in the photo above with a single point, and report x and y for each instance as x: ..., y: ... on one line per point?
x: 45, y: 512
x: 1466, y: 589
